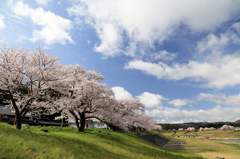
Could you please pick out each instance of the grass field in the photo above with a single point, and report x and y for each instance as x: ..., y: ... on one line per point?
x: 67, y: 143
x: 210, y: 149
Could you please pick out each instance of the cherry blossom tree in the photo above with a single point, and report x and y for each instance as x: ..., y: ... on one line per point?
x: 121, y: 113
x: 142, y: 120
x: 127, y: 115
x: 158, y: 128
x: 112, y: 115
x: 83, y: 96
x: 191, y: 129
x: 33, y: 80
x: 227, y: 127
x: 25, y: 77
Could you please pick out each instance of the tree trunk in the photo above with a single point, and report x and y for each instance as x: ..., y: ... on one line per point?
x: 114, y: 128
x: 18, y: 119
x: 75, y: 118
x: 76, y: 122
x: 82, y: 121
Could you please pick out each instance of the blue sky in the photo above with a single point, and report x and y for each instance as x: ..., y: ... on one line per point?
x: 181, y: 59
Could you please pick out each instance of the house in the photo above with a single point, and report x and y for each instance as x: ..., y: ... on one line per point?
x: 89, y: 123
x: 98, y: 124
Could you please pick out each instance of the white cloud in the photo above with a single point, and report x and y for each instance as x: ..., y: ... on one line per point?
x: 237, y: 26
x: 2, y: 25
x: 234, y: 37
x: 217, y: 71
x: 233, y: 100
x: 43, y: 2
x: 150, y: 100
x: 212, y: 43
x: 216, y: 114
x: 179, y: 102
x: 54, y: 29
x: 163, y: 55
x: 214, y: 46
x: 110, y: 40
x: 142, y: 23
x: 121, y: 93
x: 9, y: 2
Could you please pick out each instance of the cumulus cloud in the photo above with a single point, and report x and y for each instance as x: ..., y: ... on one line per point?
x: 233, y: 100
x: 174, y: 115
x: 217, y: 67
x: 140, y: 24
x: 212, y: 47
x: 121, y: 93
x: 179, y: 102
x: 162, y: 114
x: 2, y: 24
x: 54, y: 29
x: 150, y: 100
x: 43, y: 2
x: 220, y: 75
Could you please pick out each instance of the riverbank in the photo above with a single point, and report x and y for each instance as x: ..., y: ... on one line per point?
x: 202, y: 144
x: 66, y: 142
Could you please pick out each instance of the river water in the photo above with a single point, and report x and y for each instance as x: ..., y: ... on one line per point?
x: 236, y: 141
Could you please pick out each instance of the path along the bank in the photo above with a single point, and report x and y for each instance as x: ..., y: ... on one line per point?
x: 162, y: 142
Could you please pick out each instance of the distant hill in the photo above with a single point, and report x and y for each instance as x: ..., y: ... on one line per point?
x: 237, y: 121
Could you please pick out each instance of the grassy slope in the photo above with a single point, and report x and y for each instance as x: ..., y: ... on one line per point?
x: 67, y: 143
x: 210, y: 149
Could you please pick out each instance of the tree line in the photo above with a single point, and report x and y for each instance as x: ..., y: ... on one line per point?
x: 197, y: 125
x: 33, y: 83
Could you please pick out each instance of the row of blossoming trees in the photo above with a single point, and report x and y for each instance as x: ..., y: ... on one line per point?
x: 32, y: 82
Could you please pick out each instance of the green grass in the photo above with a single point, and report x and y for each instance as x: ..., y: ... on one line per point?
x: 31, y: 142
x: 209, y: 149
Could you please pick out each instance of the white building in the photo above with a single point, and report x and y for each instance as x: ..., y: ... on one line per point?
x: 98, y: 124
x: 89, y: 123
